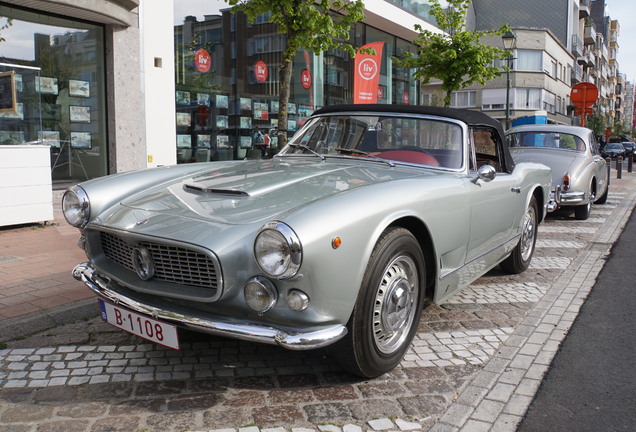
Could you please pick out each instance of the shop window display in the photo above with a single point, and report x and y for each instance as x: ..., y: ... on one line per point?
x: 226, y: 106
x: 58, y: 73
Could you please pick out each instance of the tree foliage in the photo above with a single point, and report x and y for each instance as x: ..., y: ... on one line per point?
x: 457, y: 57
x: 313, y: 25
x: 597, y: 123
x: 8, y: 22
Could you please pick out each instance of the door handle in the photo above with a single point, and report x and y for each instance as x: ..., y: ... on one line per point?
x: 516, y: 189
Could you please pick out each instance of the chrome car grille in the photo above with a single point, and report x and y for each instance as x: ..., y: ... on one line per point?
x: 173, y: 264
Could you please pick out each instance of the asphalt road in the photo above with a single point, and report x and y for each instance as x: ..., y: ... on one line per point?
x: 591, y: 384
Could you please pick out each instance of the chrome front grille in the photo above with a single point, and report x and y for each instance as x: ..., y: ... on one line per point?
x: 174, y: 264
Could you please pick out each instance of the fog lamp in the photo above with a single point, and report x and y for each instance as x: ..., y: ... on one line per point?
x: 260, y: 294
x: 297, y: 300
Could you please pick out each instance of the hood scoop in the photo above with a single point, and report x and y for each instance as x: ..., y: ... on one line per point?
x: 211, y: 190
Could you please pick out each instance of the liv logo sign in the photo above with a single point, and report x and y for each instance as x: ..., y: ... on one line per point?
x: 367, y: 76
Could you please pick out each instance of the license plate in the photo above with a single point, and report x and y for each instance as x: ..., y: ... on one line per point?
x: 140, y: 325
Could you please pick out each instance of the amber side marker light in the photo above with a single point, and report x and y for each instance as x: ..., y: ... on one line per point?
x: 336, y: 242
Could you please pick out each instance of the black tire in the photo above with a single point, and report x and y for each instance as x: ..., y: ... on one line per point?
x: 388, y: 308
x: 521, y: 255
x: 582, y: 212
x: 603, y: 198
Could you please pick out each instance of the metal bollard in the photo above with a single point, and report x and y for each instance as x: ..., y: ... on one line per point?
x: 608, y: 162
x: 619, y: 167
x: 630, y: 162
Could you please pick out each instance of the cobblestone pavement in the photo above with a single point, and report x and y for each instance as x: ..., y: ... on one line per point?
x: 474, y: 365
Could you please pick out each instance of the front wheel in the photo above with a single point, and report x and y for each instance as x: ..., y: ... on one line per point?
x: 388, y: 307
x: 521, y: 255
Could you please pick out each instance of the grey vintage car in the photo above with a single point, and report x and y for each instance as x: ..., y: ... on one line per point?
x: 368, y: 213
x: 579, y: 173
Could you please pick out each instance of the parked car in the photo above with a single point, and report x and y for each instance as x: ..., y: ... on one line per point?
x: 613, y: 150
x: 368, y: 212
x: 579, y: 173
x: 629, y: 147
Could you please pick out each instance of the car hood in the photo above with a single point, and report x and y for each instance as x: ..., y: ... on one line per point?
x: 253, y: 191
x: 559, y: 161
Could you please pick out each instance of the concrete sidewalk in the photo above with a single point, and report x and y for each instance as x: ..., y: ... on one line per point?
x: 37, y: 290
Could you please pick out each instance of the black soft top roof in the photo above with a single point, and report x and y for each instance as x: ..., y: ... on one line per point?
x: 470, y: 117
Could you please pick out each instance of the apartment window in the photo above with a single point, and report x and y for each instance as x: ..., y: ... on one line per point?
x: 463, y: 99
x: 427, y: 98
x: 553, y: 69
x: 494, y: 99
x: 527, y: 98
x: 528, y: 60
x: 549, y: 101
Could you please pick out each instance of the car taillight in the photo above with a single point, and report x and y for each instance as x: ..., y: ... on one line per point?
x: 566, y: 182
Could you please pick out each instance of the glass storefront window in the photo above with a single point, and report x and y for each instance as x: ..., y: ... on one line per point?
x: 227, y: 81
x: 58, y: 68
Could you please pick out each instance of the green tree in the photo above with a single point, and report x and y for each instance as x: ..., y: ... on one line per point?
x: 597, y: 123
x: 8, y: 22
x: 316, y: 25
x: 457, y: 57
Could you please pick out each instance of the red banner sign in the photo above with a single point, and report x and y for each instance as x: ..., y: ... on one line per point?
x: 367, y: 74
x: 260, y: 71
x: 305, y: 79
x: 202, y: 60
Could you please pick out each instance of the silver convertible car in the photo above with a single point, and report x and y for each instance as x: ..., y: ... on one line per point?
x: 579, y: 173
x: 368, y: 213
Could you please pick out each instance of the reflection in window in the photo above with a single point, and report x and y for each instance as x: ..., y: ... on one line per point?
x: 58, y: 66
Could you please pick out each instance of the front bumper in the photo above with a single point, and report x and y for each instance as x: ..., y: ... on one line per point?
x: 201, y: 323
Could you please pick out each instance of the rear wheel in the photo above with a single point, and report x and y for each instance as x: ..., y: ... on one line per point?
x: 388, y: 307
x: 582, y: 212
x: 603, y: 198
x: 521, y: 255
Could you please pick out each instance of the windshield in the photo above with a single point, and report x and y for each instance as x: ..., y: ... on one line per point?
x: 613, y: 146
x: 553, y: 140
x: 421, y: 141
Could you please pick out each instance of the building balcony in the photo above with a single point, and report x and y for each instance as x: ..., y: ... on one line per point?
x: 589, y: 35
x: 584, y: 9
x: 577, y: 46
x: 587, y: 59
x: 576, y: 74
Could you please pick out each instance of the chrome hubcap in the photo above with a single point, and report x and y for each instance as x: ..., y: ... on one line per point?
x: 395, y: 302
x: 527, y: 236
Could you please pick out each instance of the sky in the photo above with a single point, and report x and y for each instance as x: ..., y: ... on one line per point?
x: 625, y: 12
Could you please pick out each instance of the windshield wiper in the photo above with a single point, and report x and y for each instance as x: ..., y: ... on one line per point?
x: 352, y: 151
x: 309, y: 149
x: 364, y: 154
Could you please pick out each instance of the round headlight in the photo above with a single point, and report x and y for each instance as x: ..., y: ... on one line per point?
x: 278, y: 251
x: 260, y: 294
x: 76, y: 207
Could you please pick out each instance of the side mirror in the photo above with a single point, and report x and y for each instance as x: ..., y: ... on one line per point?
x: 486, y: 173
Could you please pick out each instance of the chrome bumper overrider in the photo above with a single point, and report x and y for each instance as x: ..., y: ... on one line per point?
x: 553, y: 202
x: 251, y: 332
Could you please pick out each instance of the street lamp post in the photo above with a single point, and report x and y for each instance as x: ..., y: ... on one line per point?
x: 509, y: 42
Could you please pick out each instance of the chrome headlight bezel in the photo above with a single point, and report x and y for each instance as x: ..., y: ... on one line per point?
x: 76, y: 207
x: 277, y: 250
